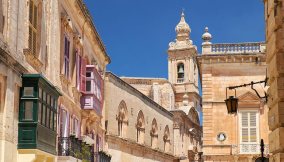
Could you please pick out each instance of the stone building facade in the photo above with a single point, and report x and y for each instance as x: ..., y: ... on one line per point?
x: 52, y: 65
x: 274, y: 18
x: 155, y: 119
x: 233, y: 137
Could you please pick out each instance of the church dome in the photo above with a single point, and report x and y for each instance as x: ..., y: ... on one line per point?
x: 182, y: 28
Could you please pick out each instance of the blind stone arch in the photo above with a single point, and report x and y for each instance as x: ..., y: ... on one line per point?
x: 154, y: 134
x: 166, y: 139
x: 122, y: 119
x: 140, y: 126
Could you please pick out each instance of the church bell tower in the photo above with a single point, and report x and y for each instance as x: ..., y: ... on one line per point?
x: 182, y: 67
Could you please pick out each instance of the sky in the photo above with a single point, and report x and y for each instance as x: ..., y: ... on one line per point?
x: 136, y: 33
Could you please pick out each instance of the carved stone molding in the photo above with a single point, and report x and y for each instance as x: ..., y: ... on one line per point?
x: 66, y: 22
x: 33, y: 60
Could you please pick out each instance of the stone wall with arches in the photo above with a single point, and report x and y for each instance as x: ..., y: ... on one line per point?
x: 132, y: 116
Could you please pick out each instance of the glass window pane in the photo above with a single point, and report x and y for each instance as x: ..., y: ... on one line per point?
x: 88, y: 85
x: 40, y: 93
x: 28, y: 91
x: 28, y: 110
x: 44, y: 96
x: 39, y: 112
x: 55, y: 104
x: 52, y: 102
x: 47, y: 116
x: 88, y: 74
x: 51, y: 120
x: 55, y: 121
x: 48, y: 99
x: 43, y: 114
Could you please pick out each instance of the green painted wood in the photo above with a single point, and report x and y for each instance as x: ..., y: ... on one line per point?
x: 32, y: 134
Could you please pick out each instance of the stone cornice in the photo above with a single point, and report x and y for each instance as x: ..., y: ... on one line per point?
x: 147, y: 81
x: 88, y: 17
x: 111, y: 75
x: 231, y: 58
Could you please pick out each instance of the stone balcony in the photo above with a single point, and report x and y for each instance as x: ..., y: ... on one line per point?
x: 234, y: 48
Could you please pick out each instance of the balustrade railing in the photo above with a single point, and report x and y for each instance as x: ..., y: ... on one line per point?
x: 249, y: 149
x: 71, y: 146
x: 180, y: 80
x: 224, y: 48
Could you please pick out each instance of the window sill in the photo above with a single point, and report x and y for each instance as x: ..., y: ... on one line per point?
x: 33, y: 60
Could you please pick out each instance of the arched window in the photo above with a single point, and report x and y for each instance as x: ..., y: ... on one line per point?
x: 166, y: 139
x: 180, y: 73
x: 122, y: 118
x: 154, y: 134
x: 140, y: 125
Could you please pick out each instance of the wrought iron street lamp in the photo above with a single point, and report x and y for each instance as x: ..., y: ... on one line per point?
x: 232, y: 102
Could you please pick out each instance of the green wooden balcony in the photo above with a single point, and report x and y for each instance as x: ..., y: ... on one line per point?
x: 37, y: 114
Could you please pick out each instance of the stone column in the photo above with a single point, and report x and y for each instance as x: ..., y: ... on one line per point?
x: 191, y: 70
x: 188, y: 68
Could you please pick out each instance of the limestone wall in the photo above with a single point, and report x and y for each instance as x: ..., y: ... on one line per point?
x: 117, y: 91
x: 216, y: 76
x: 274, y: 15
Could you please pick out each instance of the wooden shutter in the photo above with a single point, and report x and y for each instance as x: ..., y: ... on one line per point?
x: 83, y: 75
x: 253, y: 127
x: 33, y: 23
x: 244, y: 129
x: 78, y: 70
x: 1, y: 17
x: 249, y: 127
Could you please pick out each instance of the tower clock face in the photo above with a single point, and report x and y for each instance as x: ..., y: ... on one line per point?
x: 221, y: 137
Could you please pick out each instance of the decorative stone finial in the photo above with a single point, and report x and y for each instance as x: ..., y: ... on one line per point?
x: 182, y: 29
x: 206, y: 36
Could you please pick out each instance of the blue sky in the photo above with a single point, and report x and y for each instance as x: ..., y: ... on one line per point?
x: 136, y: 33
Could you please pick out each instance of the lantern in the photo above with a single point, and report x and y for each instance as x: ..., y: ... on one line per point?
x: 232, y: 104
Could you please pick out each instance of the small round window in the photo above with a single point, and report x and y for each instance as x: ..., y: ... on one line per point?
x: 221, y: 137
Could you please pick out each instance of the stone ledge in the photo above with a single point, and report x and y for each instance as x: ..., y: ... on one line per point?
x: 33, y: 60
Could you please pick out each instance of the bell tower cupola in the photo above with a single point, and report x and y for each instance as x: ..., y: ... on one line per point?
x: 182, y: 64
x: 182, y: 29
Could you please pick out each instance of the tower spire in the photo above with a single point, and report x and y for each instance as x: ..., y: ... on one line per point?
x: 182, y: 29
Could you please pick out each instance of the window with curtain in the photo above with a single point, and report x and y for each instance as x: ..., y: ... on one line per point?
x: 64, y: 123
